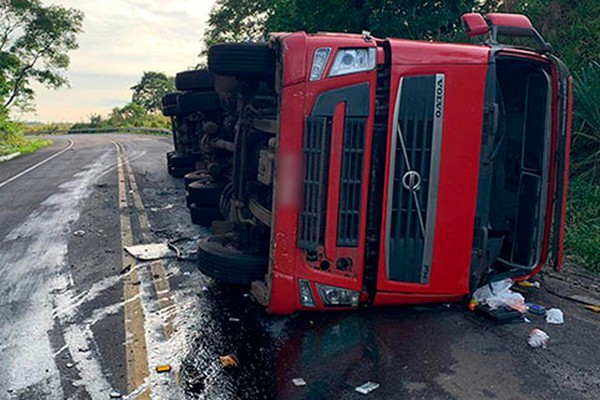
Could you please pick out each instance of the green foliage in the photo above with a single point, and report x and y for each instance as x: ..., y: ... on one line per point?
x: 149, y: 92
x: 583, y: 223
x: 237, y: 20
x: 571, y: 27
x: 12, y: 139
x: 11, y: 134
x: 586, y: 126
x: 131, y: 115
x: 34, y: 44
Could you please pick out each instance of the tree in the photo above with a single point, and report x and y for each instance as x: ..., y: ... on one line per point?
x: 131, y: 114
x: 235, y: 20
x: 571, y: 27
x: 35, y: 41
x: 149, y: 92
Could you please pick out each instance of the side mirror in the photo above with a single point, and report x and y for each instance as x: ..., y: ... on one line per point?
x: 515, y: 25
x: 474, y: 24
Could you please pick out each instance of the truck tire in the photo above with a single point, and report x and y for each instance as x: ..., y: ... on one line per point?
x: 183, y: 160
x: 192, y: 102
x: 170, y: 99
x: 199, y: 175
x: 242, y: 59
x: 205, y: 194
x: 229, y: 265
x: 171, y: 110
x: 204, y: 215
x: 197, y: 81
x: 179, y: 172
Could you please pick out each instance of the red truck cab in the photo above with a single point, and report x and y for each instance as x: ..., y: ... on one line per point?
x: 392, y: 171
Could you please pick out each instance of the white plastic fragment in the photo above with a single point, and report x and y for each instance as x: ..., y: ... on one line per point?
x: 299, y: 382
x: 498, y: 294
x: 367, y: 388
x: 538, y: 338
x: 555, y: 316
x: 149, y: 252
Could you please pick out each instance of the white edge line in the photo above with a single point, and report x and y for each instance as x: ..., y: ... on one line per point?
x: 20, y: 174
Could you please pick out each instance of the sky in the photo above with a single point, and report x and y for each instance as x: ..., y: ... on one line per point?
x: 121, y: 40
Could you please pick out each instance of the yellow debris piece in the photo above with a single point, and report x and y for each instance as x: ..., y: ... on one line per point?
x: 163, y: 368
x: 593, y: 308
x: 229, y: 361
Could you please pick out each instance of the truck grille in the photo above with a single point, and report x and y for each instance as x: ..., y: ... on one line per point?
x: 351, y: 181
x: 413, y: 202
x: 317, y: 142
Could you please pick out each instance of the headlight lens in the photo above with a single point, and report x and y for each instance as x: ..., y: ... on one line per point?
x: 319, y: 62
x: 335, y: 296
x: 349, y: 61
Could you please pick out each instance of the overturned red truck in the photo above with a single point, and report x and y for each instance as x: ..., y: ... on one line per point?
x: 362, y: 171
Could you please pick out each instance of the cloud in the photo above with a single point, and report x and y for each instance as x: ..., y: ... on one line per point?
x: 121, y: 40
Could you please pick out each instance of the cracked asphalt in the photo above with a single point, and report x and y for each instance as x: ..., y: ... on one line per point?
x: 79, y: 319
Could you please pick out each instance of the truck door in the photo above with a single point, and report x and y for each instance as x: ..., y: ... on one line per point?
x: 431, y: 179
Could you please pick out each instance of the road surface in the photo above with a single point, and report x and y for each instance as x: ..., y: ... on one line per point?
x: 81, y: 319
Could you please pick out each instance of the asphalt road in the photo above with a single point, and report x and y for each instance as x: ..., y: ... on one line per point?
x: 81, y: 319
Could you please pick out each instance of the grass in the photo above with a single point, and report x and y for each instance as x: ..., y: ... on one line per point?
x: 23, y: 146
x: 582, y: 237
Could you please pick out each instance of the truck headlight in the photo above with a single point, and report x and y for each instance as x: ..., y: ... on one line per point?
x: 319, y: 62
x: 349, y: 61
x: 335, y: 296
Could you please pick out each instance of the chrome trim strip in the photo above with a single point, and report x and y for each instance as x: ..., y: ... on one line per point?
x: 436, y: 149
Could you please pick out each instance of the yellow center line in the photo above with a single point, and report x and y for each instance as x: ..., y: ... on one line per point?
x: 136, y: 357
x: 160, y: 280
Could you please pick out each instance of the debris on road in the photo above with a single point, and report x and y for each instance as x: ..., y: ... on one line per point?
x: 163, y: 368
x: 528, y: 284
x: 367, y: 388
x: 229, y: 361
x: 555, y: 316
x: 536, y: 309
x: 500, y: 315
x: 299, y: 382
x: 149, y: 252
x: 497, y: 294
x: 593, y: 308
x: 538, y: 338
x: 79, y: 233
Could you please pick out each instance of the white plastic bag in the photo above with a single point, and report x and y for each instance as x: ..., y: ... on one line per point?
x: 493, y: 289
x: 555, y: 316
x: 498, y: 294
x: 538, y: 338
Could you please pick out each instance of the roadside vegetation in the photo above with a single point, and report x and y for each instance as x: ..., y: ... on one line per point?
x: 12, y: 140
x: 35, y: 42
